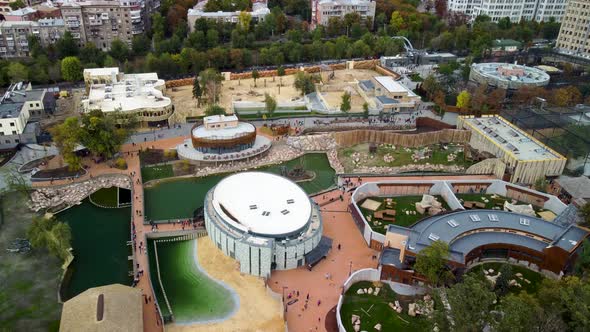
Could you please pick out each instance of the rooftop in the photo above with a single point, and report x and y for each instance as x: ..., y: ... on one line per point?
x: 578, y: 187
x: 258, y: 8
x: 262, y: 203
x: 220, y: 118
x: 129, y: 93
x: 511, y: 138
x: 511, y: 72
x: 466, y: 230
x: 22, y: 11
x: 223, y: 133
x: 107, y: 308
x: 10, y: 110
x: 391, y: 85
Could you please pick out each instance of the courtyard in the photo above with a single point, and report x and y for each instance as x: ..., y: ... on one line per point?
x: 525, y: 280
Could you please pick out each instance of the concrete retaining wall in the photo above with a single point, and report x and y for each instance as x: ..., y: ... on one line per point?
x: 360, y: 275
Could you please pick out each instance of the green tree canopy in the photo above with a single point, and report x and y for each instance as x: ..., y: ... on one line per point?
x: 67, y: 46
x: 51, y: 234
x: 304, y: 83
x: 211, y: 84
x: 431, y: 262
x: 119, y: 50
x: 270, y: 104
x: 71, y: 69
x: 197, y: 91
x: 345, y: 103
x: 471, y: 303
x: 65, y: 136
x: 17, y: 72
x: 101, y: 134
x: 214, y: 109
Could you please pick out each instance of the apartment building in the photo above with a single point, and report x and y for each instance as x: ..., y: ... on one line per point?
x: 14, y: 41
x: 516, y: 10
x: 258, y: 13
x: 573, y: 36
x: 323, y: 10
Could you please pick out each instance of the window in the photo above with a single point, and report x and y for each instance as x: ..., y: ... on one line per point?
x: 14, y: 132
x: 12, y: 124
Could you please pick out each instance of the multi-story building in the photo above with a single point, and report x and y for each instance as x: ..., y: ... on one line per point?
x: 22, y: 14
x: 388, y: 95
x: 323, y: 10
x: 20, y: 104
x: 516, y: 10
x: 138, y: 94
x: 574, y: 34
x: 258, y: 13
x: 102, y: 22
x: 14, y: 35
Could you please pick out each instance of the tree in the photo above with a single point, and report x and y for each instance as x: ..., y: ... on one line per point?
x: 397, y: 21
x: 503, y: 281
x: 270, y: 104
x: 471, y: 302
x: 211, y: 84
x: 101, y: 133
x: 430, y: 85
x: 255, y: 76
x: 463, y: 99
x: 51, y: 234
x: 65, y: 136
x: 304, y: 83
x: 585, y: 213
x: 140, y: 45
x: 582, y: 266
x: 345, y: 103
x: 214, y: 109
x: 440, y: 7
x: 244, y: 20
x: 197, y: 91
x: 366, y: 110
x: 431, y: 262
x: 119, y: 50
x: 15, y: 181
x: 519, y: 313
x: 71, y: 69
x: 17, y: 72
x: 17, y: 4
x: 67, y: 46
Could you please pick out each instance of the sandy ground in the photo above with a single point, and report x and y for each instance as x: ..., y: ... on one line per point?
x: 334, y: 99
x: 258, y: 311
x: 184, y: 103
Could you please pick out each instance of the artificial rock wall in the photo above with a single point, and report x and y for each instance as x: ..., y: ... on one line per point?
x: 354, y: 137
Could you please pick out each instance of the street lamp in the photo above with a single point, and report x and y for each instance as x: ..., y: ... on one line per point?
x: 350, y: 269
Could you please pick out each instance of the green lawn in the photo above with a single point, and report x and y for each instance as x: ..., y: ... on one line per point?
x: 401, y: 156
x: 193, y: 296
x: 415, y: 77
x: 107, y: 197
x: 375, y: 309
x: 156, y: 172
x: 534, y: 277
x: 403, y: 204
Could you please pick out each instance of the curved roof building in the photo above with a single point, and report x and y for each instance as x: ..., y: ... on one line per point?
x: 264, y: 221
x: 507, y: 76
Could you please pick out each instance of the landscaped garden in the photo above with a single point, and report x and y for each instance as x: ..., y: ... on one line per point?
x: 374, y: 309
x: 524, y: 279
x: 387, y: 155
x: 193, y: 296
x: 491, y: 201
x: 405, y: 214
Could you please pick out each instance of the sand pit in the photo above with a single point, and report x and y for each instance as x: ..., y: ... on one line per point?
x: 244, y: 90
x: 258, y: 311
x: 370, y: 204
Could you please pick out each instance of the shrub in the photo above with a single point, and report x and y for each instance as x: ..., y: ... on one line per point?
x: 120, y: 163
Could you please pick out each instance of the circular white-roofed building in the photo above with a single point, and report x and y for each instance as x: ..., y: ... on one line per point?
x: 263, y: 220
x: 507, y: 76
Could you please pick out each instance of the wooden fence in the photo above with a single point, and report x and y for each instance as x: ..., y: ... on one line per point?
x: 354, y: 137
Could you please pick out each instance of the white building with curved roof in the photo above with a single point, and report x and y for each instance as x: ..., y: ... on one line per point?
x: 507, y: 76
x: 264, y: 221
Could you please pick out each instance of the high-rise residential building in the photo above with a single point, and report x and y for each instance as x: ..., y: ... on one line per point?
x: 102, y: 22
x: 573, y: 35
x: 14, y: 35
x: 516, y: 10
x: 323, y: 10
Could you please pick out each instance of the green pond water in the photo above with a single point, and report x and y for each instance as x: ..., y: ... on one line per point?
x: 193, y: 296
x: 179, y: 198
x: 99, y: 240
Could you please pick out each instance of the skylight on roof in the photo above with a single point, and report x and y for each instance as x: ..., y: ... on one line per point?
x: 452, y: 223
x: 290, y: 201
x: 474, y: 217
x: 433, y: 237
x: 266, y: 213
x: 285, y: 212
x: 253, y: 207
x: 493, y: 217
x: 525, y: 221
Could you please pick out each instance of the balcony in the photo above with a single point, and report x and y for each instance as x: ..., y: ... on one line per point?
x: 76, y: 35
x: 73, y: 24
x: 95, y: 22
x: 104, y: 16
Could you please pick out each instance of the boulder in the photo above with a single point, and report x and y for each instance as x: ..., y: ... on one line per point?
x: 377, y: 327
x: 519, y: 275
x: 357, y: 328
x: 377, y: 290
x: 370, y: 290
x: 399, y: 310
x: 360, y: 291
x: 412, y: 309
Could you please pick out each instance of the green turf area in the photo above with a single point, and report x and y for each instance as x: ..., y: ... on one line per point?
x: 498, y: 201
x: 179, y: 198
x: 156, y: 172
x: 28, y: 281
x: 193, y: 296
x: 534, y: 277
x: 378, y: 310
x: 106, y: 197
x: 415, y: 77
x: 401, y: 205
x: 401, y: 156
x: 99, y: 240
